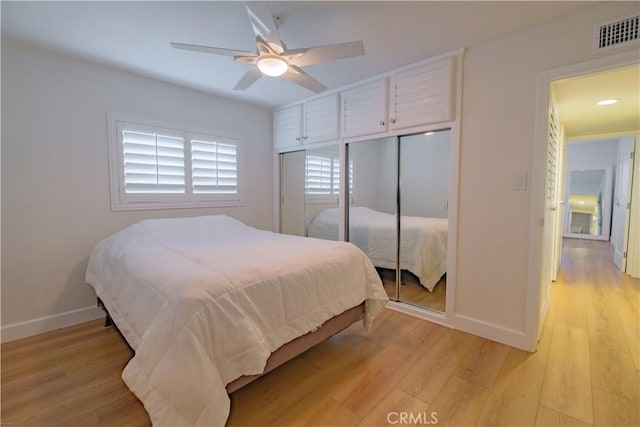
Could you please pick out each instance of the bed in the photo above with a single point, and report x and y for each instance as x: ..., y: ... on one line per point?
x: 205, y: 301
x: 423, y: 247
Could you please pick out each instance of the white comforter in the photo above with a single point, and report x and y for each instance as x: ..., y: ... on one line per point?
x: 423, y: 241
x: 205, y: 300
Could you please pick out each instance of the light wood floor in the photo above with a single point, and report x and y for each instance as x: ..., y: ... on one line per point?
x: 585, y: 371
x: 412, y: 292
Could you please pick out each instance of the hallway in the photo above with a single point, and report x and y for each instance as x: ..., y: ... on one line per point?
x: 593, y: 368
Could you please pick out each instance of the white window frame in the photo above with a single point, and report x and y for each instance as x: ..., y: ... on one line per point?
x: 120, y: 200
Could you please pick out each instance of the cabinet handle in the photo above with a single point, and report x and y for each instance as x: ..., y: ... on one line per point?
x: 298, y: 139
x: 381, y: 122
x: 305, y: 137
x: 393, y: 121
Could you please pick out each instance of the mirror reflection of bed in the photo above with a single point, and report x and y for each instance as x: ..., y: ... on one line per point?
x: 423, y: 249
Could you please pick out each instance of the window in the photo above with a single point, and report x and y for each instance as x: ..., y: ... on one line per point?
x: 158, y: 166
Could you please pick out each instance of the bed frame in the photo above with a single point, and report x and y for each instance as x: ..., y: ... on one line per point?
x: 287, y: 351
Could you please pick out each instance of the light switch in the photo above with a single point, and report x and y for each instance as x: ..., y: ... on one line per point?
x: 519, y: 181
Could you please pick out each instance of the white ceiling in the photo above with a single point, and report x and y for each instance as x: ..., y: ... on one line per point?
x: 577, y: 97
x: 135, y: 36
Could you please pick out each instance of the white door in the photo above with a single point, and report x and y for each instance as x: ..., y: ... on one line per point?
x: 292, y: 219
x: 557, y: 155
x: 622, y: 202
x: 287, y: 127
x: 422, y: 95
x: 364, y: 109
x: 550, y: 213
x: 321, y: 119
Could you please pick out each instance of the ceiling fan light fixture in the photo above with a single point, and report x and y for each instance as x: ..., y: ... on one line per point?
x: 272, y: 65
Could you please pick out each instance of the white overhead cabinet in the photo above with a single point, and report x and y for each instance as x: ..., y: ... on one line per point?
x: 287, y: 127
x: 417, y: 96
x: 364, y: 109
x: 421, y: 95
x: 321, y: 119
x: 313, y: 121
x: 408, y: 98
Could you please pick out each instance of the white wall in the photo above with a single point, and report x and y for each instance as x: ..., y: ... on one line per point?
x: 589, y: 153
x: 497, y: 140
x: 425, y: 164
x: 55, y: 175
x: 424, y: 169
x: 374, y: 174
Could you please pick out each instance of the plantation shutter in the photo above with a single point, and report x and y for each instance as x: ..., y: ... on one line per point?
x: 154, y: 160
x: 214, y: 166
x: 320, y: 175
x: 155, y: 167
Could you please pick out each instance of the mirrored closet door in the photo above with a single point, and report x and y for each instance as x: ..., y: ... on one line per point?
x: 424, y: 161
x: 398, y: 213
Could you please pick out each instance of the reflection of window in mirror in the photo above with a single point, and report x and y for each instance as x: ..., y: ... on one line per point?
x: 322, y: 175
x: 322, y: 192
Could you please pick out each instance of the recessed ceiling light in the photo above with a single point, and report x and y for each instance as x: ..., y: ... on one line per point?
x: 609, y: 101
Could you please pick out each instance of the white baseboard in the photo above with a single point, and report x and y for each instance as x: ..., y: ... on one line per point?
x: 15, y: 331
x: 492, y: 331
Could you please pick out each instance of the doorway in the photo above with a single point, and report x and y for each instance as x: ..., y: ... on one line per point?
x: 597, y: 78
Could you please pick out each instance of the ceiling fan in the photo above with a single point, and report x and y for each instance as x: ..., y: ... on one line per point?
x: 273, y: 58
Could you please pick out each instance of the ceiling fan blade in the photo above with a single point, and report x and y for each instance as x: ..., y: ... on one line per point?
x: 299, y: 77
x: 249, y: 59
x: 250, y: 77
x: 213, y: 50
x: 263, y: 46
x: 263, y: 24
x: 314, y: 55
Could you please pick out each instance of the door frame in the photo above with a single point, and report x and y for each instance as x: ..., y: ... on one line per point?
x: 536, y: 309
x: 626, y: 215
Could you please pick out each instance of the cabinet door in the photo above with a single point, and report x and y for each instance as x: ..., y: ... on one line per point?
x: 287, y: 126
x: 364, y: 109
x: 421, y: 95
x: 321, y: 119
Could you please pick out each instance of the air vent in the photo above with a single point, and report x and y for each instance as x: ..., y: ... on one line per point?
x: 615, y: 33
